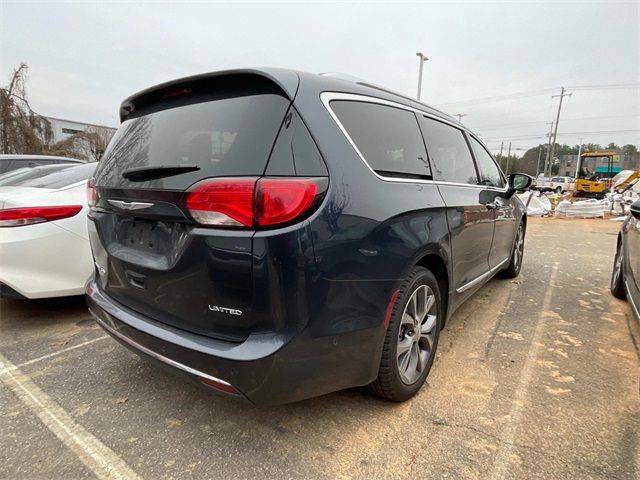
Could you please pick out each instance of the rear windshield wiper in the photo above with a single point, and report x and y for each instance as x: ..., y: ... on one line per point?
x: 141, y: 174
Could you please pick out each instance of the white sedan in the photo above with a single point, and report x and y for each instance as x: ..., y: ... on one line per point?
x: 44, y: 245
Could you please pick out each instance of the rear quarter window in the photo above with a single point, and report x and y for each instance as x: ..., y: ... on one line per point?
x: 388, y: 138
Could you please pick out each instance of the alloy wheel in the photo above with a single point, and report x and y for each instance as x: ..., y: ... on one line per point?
x: 518, y: 250
x: 417, y: 333
x: 617, y: 269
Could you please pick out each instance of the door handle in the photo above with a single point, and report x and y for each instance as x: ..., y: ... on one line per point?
x: 491, y: 205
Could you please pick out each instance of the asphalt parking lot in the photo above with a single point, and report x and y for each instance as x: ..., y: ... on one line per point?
x: 535, y: 378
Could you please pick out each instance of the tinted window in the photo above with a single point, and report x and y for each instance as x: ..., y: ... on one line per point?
x: 388, y: 137
x: 449, y: 153
x: 226, y: 137
x: 56, y: 176
x: 489, y: 172
x: 295, y: 152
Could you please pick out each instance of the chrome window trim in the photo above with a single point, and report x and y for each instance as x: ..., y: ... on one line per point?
x: 480, y: 278
x: 328, y: 97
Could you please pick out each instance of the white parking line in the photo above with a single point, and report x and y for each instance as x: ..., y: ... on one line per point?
x: 54, y: 354
x: 503, y: 459
x: 99, y: 458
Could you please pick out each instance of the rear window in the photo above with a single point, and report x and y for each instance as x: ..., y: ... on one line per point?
x: 56, y: 176
x: 388, y: 138
x: 224, y: 137
x: 15, y: 177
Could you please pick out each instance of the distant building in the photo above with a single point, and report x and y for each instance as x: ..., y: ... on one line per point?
x: 63, y: 129
x: 567, y: 164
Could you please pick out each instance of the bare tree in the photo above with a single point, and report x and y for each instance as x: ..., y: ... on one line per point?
x: 88, y: 145
x: 21, y: 129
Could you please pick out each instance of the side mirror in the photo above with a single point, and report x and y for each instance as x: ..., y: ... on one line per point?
x: 518, y: 182
x: 635, y: 209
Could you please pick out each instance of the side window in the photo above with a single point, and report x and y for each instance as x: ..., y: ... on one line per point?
x: 388, y: 138
x: 449, y: 153
x: 489, y: 172
x: 295, y: 152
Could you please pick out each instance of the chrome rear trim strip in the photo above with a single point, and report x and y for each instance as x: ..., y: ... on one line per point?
x: 156, y: 355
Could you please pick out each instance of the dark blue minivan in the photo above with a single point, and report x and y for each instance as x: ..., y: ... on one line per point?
x: 277, y: 235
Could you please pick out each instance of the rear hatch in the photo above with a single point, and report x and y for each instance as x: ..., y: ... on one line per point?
x: 150, y: 253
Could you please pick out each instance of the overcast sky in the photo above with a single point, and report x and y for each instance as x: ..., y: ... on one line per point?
x: 85, y: 57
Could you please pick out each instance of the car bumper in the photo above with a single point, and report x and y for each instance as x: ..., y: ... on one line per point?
x: 265, y: 369
x: 44, y: 260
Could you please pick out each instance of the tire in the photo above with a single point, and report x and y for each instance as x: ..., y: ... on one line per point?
x: 400, y: 376
x: 558, y: 190
x: 515, y: 262
x: 617, y: 275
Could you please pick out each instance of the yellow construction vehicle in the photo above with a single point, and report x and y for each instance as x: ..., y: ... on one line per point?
x: 594, y: 173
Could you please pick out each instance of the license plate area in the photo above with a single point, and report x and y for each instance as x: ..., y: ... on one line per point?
x: 149, y: 236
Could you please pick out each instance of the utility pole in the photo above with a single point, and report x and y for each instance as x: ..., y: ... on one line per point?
x: 578, y: 162
x: 538, y: 164
x: 460, y: 115
x: 423, y: 59
x: 501, y: 147
x: 555, y: 132
x: 546, y: 161
x: 508, y: 158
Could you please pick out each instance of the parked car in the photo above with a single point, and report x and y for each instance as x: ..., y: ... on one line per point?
x: 44, y: 247
x: 277, y: 235
x: 555, y: 184
x: 13, y: 162
x: 626, y: 266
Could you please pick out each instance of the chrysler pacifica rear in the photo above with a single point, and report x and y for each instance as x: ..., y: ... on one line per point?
x: 276, y: 235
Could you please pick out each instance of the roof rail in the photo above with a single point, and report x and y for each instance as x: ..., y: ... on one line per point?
x: 406, y: 97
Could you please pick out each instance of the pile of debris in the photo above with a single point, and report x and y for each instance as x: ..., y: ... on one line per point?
x: 544, y: 204
x: 583, y: 208
x: 538, y: 204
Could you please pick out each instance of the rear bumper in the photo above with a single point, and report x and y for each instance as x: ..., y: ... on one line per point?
x: 44, y: 260
x: 266, y: 369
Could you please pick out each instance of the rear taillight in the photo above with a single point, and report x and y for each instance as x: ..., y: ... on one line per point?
x: 92, y: 193
x: 281, y: 200
x: 252, y: 202
x: 16, y: 217
x: 224, y: 202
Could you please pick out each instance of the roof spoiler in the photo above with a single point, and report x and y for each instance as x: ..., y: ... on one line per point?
x: 279, y: 80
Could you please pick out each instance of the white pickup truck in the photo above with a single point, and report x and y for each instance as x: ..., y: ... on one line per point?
x: 555, y: 184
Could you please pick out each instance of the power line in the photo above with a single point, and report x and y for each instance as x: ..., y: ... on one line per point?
x: 511, y: 96
x: 605, y: 87
x: 540, y: 122
x: 533, y: 93
x: 563, y: 134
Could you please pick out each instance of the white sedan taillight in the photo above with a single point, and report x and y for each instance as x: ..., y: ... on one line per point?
x: 17, y: 217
